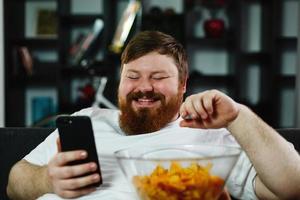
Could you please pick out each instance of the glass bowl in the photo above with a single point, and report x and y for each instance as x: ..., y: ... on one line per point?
x: 178, y: 171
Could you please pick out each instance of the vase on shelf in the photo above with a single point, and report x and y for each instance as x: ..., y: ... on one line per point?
x: 214, y: 28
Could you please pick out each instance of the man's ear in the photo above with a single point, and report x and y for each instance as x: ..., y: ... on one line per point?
x: 184, y: 85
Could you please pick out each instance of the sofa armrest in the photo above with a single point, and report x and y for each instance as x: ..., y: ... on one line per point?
x: 15, y: 143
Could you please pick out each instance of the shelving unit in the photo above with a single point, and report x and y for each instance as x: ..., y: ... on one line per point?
x: 248, y: 62
x: 54, y: 73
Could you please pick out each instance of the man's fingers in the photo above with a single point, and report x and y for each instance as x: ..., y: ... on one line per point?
x: 192, y: 124
x: 189, y: 108
x: 207, y: 103
x: 58, y: 144
x: 66, y: 157
x: 80, y: 182
x: 194, y: 108
x: 76, y: 170
x: 76, y: 193
x: 199, y: 108
x: 224, y: 196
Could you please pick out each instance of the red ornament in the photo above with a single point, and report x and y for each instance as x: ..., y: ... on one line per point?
x: 88, y: 92
x: 214, y: 28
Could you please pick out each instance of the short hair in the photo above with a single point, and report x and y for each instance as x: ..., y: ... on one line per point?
x: 154, y: 41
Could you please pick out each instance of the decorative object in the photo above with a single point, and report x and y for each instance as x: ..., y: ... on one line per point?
x: 214, y: 28
x: 124, y: 25
x: 46, y: 23
x: 83, y: 51
x: 40, y: 103
x: 40, y: 19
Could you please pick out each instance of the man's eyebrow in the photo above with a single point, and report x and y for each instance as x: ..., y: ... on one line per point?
x: 133, y: 70
x: 155, y: 72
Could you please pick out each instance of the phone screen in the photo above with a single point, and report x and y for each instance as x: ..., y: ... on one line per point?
x: 76, y: 133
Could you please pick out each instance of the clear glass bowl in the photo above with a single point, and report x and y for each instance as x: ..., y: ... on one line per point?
x: 176, y: 172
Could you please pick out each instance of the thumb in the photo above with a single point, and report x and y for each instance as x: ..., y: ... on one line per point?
x: 58, y: 144
x: 225, y: 195
x: 192, y: 123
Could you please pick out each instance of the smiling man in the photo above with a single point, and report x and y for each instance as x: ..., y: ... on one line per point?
x: 145, y: 102
x: 153, y: 81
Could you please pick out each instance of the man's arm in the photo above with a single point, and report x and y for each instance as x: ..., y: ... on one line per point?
x: 276, y: 162
x: 28, y: 181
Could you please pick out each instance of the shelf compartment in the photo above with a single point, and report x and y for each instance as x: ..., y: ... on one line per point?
x: 44, y: 73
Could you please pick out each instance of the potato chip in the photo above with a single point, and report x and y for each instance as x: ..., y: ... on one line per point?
x: 179, y: 183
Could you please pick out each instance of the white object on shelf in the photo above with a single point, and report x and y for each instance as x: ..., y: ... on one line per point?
x: 99, y: 97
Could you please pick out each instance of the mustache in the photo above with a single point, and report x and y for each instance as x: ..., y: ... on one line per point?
x: 149, y: 95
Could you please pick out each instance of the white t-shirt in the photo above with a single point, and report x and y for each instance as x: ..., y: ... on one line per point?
x: 110, y: 138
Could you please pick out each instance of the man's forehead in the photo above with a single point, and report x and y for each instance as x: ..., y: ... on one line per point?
x: 152, y: 61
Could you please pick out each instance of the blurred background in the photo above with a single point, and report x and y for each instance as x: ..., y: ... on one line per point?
x: 62, y: 56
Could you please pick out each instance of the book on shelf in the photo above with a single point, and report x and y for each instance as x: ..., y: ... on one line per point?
x: 85, y: 47
x: 46, y: 25
x: 40, y: 104
x: 42, y: 107
x: 22, y: 61
x: 125, y: 25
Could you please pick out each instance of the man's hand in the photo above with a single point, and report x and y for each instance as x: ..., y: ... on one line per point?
x: 209, y: 109
x: 67, y: 180
x: 225, y: 195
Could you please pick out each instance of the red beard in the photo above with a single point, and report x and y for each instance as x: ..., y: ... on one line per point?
x: 146, y: 120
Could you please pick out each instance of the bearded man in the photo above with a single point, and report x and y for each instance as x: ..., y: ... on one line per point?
x: 154, y: 72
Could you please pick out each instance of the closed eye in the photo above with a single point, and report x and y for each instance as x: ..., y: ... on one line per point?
x: 133, y: 77
x: 160, y: 77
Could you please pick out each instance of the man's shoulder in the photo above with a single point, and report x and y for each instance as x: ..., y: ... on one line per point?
x: 96, y: 112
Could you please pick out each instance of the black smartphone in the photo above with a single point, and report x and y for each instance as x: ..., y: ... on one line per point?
x: 76, y: 133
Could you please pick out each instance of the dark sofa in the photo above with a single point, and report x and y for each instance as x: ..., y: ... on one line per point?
x: 15, y: 143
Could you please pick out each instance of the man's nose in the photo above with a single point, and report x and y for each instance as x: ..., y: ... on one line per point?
x: 145, y: 86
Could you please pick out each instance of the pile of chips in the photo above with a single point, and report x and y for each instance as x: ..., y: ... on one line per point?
x: 179, y: 183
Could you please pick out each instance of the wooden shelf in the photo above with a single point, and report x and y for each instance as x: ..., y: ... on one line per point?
x: 208, y: 42
x: 255, y: 57
x: 78, y: 20
x: 287, y: 41
x: 79, y: 71
x: 286, y: 80
x: 163, y: 16
x: 38, y: 43
x: 43, y: 74
x: 215, y: 80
